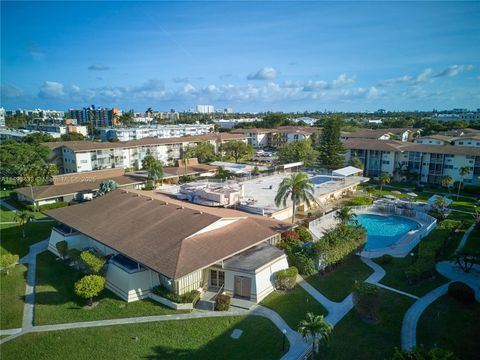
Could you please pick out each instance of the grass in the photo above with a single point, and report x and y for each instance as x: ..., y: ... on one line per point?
x: 12, y: 242
x: 56, y: 302
x: 352, y: 338
x: 6, y: 215
x: 337, y: 284
x: 193, y: 339
x: 451, y: 325
x: 11, y: 297
x: 293, y: 305
x: 473, y: 241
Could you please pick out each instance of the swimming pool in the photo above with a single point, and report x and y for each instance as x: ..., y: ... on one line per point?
x: 384, y: 231
x: 317, y: 180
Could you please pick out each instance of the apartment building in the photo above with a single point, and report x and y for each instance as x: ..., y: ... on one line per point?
x: 159, y: 131
x: 402, y: 134
x: 80, y: 156
x: 427, y: 159
x: 260, y: 138
x: 99, y: 117
x: 57, y: 131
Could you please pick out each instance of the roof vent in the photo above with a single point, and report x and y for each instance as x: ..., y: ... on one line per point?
x: 201, y: 212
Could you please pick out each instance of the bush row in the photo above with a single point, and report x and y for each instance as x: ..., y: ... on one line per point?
x: 187, y: 298
x: 56, y: 205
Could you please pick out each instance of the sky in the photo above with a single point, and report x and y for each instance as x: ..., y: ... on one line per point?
x: 251, y: 56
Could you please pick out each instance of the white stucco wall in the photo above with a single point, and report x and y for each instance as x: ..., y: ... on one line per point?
x: 264, y: 278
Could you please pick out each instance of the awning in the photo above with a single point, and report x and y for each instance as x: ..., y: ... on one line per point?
x: 347, y: 171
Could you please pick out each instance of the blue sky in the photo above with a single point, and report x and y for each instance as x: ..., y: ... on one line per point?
x: 252, y: 56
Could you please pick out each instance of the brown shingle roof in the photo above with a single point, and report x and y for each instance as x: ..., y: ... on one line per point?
x: 162, y: 236
x: 52, y: 191
x: 94, y: 145
x: 191, y: 169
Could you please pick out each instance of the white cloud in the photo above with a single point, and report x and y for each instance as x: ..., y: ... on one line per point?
x: 267, y: 73
x: 454, y: 70
x: 342, y: 80
x: 11, y: 91
x: 51, y: 90
x: 98, y: 67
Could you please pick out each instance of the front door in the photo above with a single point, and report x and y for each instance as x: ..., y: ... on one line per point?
x: 243, y: 286
x: 217, y: 278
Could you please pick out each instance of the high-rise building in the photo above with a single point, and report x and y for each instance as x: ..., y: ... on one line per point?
x: 99, y: 117
x: 205, y: 109
x: 2, y: 117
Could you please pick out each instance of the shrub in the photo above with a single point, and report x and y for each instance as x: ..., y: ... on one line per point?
x: 286, y: 279
x: 359, y: 201
x: 62, y: 248
x: 386, y: 259
x: 55, y: 205
x: 293, y: 235
x: 73, y: 254
x: 190, y: 297
x: 304, y: 264
x: 89, y: 286
x: 303, y: 234
x: 421, y: 353
x: 461, y: 292
x: 366, y: 300
x: 8, y: 261
x: 93, y: 262
x: 222, y: 303
x: 450, y: 224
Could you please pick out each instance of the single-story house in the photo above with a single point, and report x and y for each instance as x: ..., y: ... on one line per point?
x: 77, y: 187
x: 179, y: 245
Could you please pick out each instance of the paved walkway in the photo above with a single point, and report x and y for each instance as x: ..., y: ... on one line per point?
x: 465, y: 238
x: 29, y: 306
x: 8, y: 206
x: 453, y: 272
x: 410, y: 320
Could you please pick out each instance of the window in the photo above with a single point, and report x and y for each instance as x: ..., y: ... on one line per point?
x: 448, y: 166
x: 460, y: 143
x: 386, y: 162
x: 217, y: 278
x: 83, y: 161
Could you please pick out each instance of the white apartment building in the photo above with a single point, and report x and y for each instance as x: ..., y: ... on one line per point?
x: 159, y: 131
x: 205, y: 109
x: 2, y: 117
x: 231, y: 123
x: 260, y: 138
x: 80, y: 156
x: 57, y: 131
x: 426, y: 160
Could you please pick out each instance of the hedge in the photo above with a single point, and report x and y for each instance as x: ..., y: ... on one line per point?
x: 301, y: 261
x: 359, y: 201
x: 286, y: 279
x: 222, y: 303
x: 93, y: 262
x: 303, y: 234
x: 187, y: 298
x: 55, y: 205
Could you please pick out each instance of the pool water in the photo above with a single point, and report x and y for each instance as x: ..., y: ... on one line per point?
x: 384, y: 231
x: 317, y: 180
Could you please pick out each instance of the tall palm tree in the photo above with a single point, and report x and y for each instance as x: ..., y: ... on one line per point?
x: 186, y: 154
x: 447, y: 180
x: 299, y: 188
x: 345, y: 215
x: 316, y: 327
x: 23, y: 218
x: 463, y: 171
x: 153, y: 167
x: 384, y: 179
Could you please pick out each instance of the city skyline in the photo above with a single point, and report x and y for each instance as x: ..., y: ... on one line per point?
x: 249, y: 56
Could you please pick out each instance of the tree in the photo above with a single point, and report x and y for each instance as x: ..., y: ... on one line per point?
x: 89, y: 286
x: 62, y: 248
x: 105, y: 187
x: 297, y: 151
x: 298, y: 188
x: 149, y: 112
x: 345, y: 215
x: 38, y: 138
x: 440, y: 206
x: 384, y: 179
x: 153, y: 167
x: 185, y: 155
x: 73, y: 137
x: 127, y: 119
x: 23, y: 218
x: 331, y: 149
x: 223, y: 174
x: 237, y: 149
x: 356, y: 162
x: 204, y: 152
x: 447, y: 180
x: 274, y: 120
x: 315, y: 327
x: 463, y: 171
x: 8, y: 261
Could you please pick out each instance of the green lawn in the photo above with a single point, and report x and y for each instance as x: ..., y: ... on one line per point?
x: 451, y: 325
x: 293, y: 305
x: 6, y: 215
x: 11, y: 240
x: 193, y: 339
x: 337, y: 284
x: 473, y: 241
x: 11, y: 297
x: 55, y: 301
x: 353, y: 338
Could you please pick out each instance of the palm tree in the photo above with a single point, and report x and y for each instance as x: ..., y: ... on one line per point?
x: 463, y: 171
x: 316, y: 327
x: 345, y: 215
x: 299, y: 188
x: 23, y: 218
x: 447, y: 180
x: 153, y: 167
x: 384, y: 179
x: 187, y: 153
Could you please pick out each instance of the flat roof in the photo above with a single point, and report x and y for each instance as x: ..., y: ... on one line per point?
x: 253, y: 258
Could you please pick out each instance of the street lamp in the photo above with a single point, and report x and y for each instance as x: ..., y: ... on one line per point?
x: 284, y: 332
x: 412, y: 256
